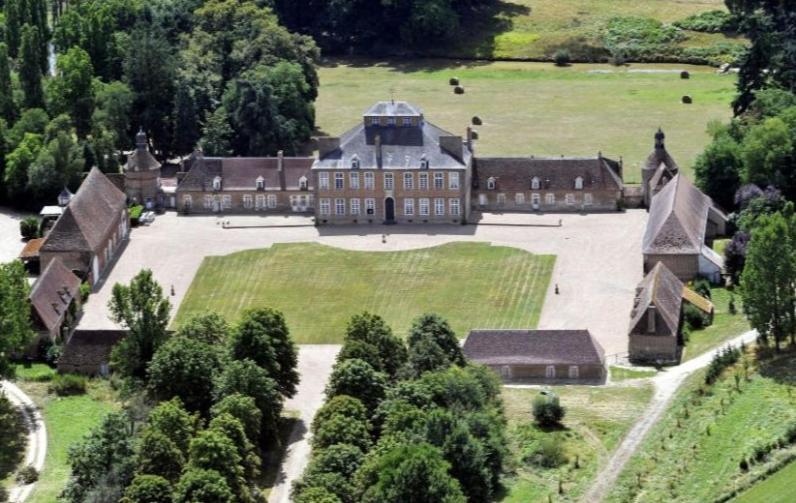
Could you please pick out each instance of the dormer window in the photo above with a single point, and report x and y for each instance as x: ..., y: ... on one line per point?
x: 490, y: 183
x: 217, y: 183
x: 303, y: 183
x: 260, y: 183
x: 423, y: 162
x: 579, y: 183
x: 535, y: 183
x: 355, y: 162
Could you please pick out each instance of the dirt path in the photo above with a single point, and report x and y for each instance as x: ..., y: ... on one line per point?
x: 666, y: 384
x: 37, y: 438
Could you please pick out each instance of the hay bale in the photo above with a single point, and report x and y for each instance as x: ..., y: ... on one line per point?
x: 476, y: 120
x: 687, y: 99
x: 685, y: 75
x: 454, y: 81
x: 458, y: 90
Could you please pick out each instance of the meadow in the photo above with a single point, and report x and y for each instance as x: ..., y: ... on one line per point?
x: 538, y: 108
x: 779, y: 488
x: 319, y: 288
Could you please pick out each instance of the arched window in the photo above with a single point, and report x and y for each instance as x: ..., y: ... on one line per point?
x: 578, y: 183
x: 355, y: 162
x: 303, y: 183
x: 490, y: 183
x: 217, y: 183
x: 260, y: 183
x: 535, y: 183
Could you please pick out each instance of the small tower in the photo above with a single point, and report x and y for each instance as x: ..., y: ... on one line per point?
x: 659, y: 137
x: 142, y: 174
x: 651, y: 165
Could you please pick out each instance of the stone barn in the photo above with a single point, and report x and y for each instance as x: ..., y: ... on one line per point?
x: 539, y: 356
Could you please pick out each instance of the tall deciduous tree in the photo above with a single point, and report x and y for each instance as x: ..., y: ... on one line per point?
x: 72, y: 90
x: 57, y: 165
x: 217, y: 134
x: 30, y: 74
x: 8, y: 109
x: 18, y: 163
x: 141, y: 308
x: 15, y: 324
x: 717, y: 169
x: 13, y: 26
x: 372, y: 330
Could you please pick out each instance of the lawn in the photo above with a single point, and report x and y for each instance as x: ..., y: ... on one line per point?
x: 725, y: 325
x: 68, y: 420
x: 319, y: 288
x: 597, y: 419
x: 619, y: 374
x: 695, y: 452
x: 537, y: 108
x: 779, y: 488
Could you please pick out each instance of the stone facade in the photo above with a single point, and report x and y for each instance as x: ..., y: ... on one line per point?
x: 142, y: 175
x: 656, y: 320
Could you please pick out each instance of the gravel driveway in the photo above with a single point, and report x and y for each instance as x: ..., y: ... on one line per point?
x: 10, y: 241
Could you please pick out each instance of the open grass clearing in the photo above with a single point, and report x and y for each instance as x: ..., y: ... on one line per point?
x: 537, y: 108
x: 319, y: 288
x: 778, y: 488
x: 725, y: 325
x: 619, y: 374
x: 694, y: 453
x: 596, y: 420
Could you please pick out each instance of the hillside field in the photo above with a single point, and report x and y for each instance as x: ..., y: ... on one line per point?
x: 538, y: 108
x: 319, y: 288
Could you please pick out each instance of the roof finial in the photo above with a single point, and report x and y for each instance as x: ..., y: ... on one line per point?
x: 659, y: 137
x: 141, y: 142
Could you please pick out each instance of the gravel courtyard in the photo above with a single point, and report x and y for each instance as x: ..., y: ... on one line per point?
x: 10, y: 242
x: 598, y: 261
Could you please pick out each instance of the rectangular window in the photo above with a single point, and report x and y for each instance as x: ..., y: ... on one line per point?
x: 483, y: 200
x: 208, y: 202
x: 323, y: 181
x: 354, y: 206
x: 535, y: 200
x: 439, y: 206
x: 570, y: 198
x: 226, y: 201
x: 369, y: 184
x: 519, y: 198
x: 423, y: 184
x: 390, y: 121
x: 187, y: 201
x: 247, y: 201
x: 259, y: 202
x: 324, y: 206
x: 407, y: 121
x: 424, y: 208
x: 455, y: 207
x: 388, y: 182
x: 353, y: 180
x: 501, y: 199
x: 339, y: 206
x: 339, y: 181
x: 409, y: 207
x: 550, y: 199
x: 370, y: 206
x: 453, y: 181
x: 272, y: 201
x: 409, y: 181
x: 439, y: 181
x: 587, y: 199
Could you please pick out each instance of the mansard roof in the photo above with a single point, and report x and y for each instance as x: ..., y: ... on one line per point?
x: 393, y: 108
x: 241, y: 173
x: 677, y: 219
x: 533, y: 347
x: 514, y: 174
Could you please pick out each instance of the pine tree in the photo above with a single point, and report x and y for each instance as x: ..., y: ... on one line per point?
x: 13, y: 26
x: 7, y: 109
x: 186, y: 121
x: 30, y: 69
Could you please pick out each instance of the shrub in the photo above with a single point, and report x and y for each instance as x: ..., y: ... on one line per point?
x: 29, y: 227
x: 550, y: 453
x: 27, y: 475
x: 458, y: 90
x: 721, y: 360
x: 85, y: 291
x: 562, y: 57
x: 702, y: 287
x: 135, y: 213
x: 712, y: 21
x: 639, y: 37
x: 694, y: 317
x: 454, y: 81
x: 547, y: 411
x: 67, y: 385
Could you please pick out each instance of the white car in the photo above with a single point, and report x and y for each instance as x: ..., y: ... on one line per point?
x: 147, y: 218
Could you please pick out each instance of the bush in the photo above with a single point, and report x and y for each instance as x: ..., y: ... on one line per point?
x: 639, y: 37
x: 562, y: 57
x: 454, y: 81
x: 547, y: 411
x: 721, y: 360
x: 135, y: 213
x: 27, y: 475
x: 695, y: 318
x: 67, y: 385
x: 85, y: 291
x: 712, y: 21
x: 458, y: 90
x: 550, y: 453
x: 29, y: 228
x: 702, y: 287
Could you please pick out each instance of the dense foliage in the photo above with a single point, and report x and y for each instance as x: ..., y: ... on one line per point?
x: 15, y: 323
x: 425, y: 434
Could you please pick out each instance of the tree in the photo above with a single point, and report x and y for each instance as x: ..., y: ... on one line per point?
x: 18, y: 164
x: 769, y: 277
x: 57, y: 165
x: 15, y: 322
x: 217, y: 134
x: 332, y: 470
x: 186, y: 121
x: 371, y: 329
x: 30, y: 69
x: 212, y: 450
x: 185, y: 368
x: 735, y: 255
x: 357, y: 379
x: 246, y: 378
x: 339, y: 429
x: 13, y: 25
x: 441, y: 333
x: 242, y: 408
x: 72, y: 90
x: 547, y: 410
x: 717, y: 169
x: 172, y: 420
x: 340, y: 405
x: 114, y: 101
x: 425, y: 355
x: 144, y: 311
x: 207, y: 486
x: 316, y: 495
x: 262, y: 336
x: 32, y: 120
x: 210, y: 328
x: 158, y: 455
x: 8, y: 109
x: 408, y: 472
x: 232, y: 428
x: 148, y: 489
x: 767, y: 152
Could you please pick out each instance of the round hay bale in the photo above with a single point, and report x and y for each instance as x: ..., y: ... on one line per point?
x: 454, y: 81
x: 474, y: 134
x: 687, y: 99
x: 458, y: 90
x: 685, y: 75
x: 476, y: 121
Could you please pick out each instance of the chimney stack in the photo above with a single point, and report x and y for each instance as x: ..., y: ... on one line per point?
x: 280, y: 158
x: 280, y: 161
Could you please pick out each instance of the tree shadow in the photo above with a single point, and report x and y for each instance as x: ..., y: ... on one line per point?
x: 777, y: 366
x: 291, y: 430
x: 13, y: 438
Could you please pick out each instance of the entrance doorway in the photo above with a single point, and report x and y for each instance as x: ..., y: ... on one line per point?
x: 389, y: 211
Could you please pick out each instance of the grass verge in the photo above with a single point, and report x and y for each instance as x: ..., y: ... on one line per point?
x: 725, y: 325
x: 619, y: 374
x: 778, y: 488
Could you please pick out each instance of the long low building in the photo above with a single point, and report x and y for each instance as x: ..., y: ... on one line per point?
x: 538, y: 356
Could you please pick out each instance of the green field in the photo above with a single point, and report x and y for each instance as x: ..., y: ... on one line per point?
x: 694, y: 453
x: 779, y: 488
x: 533, y: 29
x: 537, y: 108
x: 597, y: 419
x: 725, y: 326
x: 319, y: 288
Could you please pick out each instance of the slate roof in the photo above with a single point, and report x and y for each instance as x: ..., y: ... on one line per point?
x: 514, y: 174
x: 533, y: 347
x: 89, y: 216
x: 87, y: 350
x: 677, y: 219
x: 141, y: 160
x: 402, y: 147
x: 659, y: 288
x: 241, y: 173
x: 53, y: 292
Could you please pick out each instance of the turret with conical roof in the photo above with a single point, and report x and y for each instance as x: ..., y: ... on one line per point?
x: 658, y: 169
x: 142, y: 173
